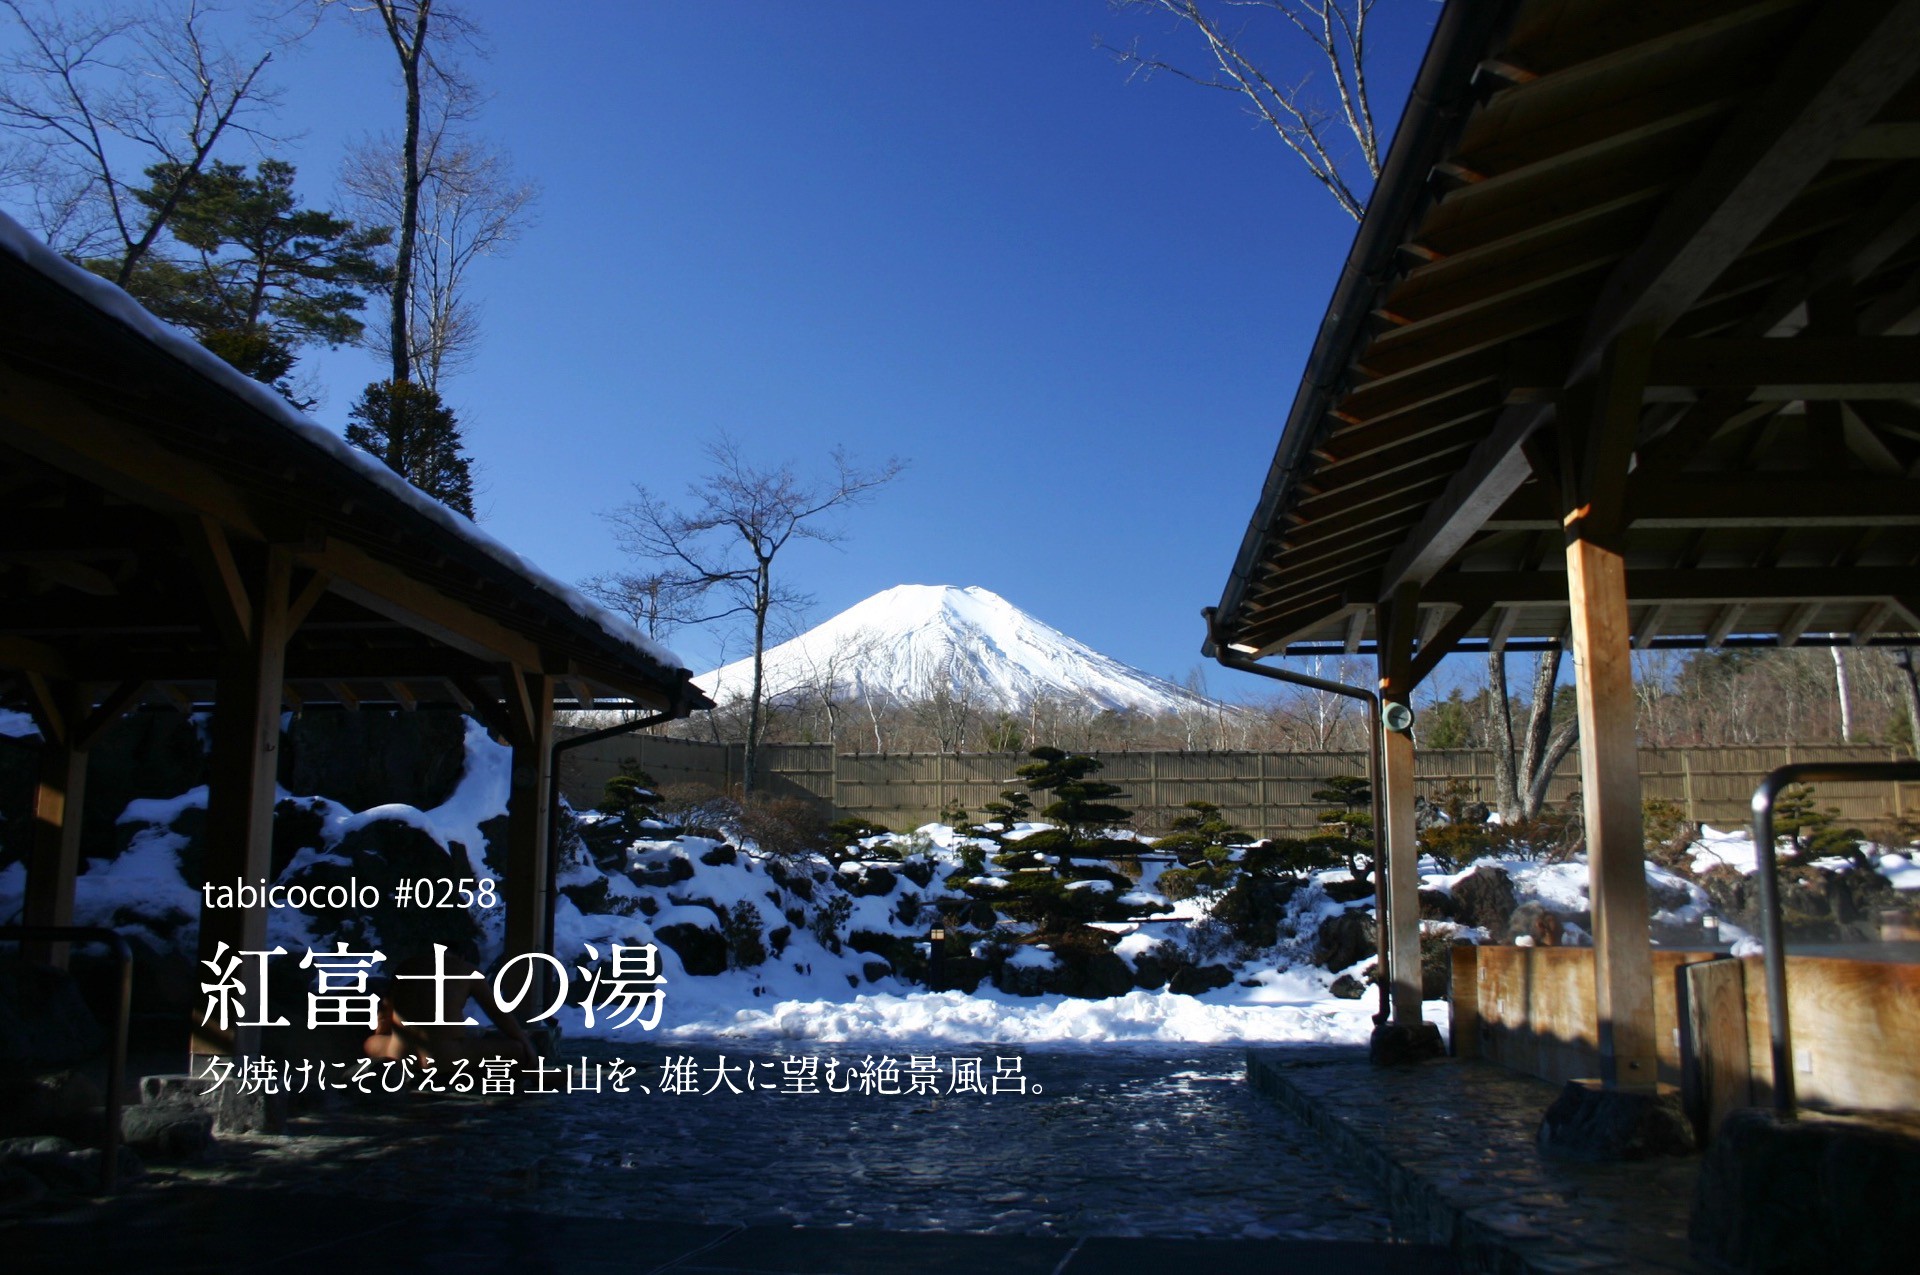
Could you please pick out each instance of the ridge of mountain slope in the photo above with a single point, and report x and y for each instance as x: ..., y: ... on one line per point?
x: 912, y: 640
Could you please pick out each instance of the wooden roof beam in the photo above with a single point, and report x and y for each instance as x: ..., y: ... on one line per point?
x: 1871, y: 621
x: 1846, y: 65
x: 1851, y: 253
x: 1778, y: 370
x: 1723, y: 624
x: 1776, y: 500
x: 1651, y: 620
x: 1437, y: 641
x: 1696, y: 585
x: 1356, y: 629
x: 1897, y: 313
x: 1796, y: 623
x: 1505, y: 619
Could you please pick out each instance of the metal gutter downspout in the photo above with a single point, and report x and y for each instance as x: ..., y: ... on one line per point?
x: 1217, y: 647
x: 553, y: 796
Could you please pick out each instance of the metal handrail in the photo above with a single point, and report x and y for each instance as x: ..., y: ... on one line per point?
x: 1764, y: 796
x: 117, y: 1059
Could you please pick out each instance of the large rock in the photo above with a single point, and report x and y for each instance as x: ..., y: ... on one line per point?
x: 1024, y: 979
x: 1345, y: 939
x: 1098, y: 974
x: 1666, y: 895
x: 1817, y: 905
x: 61, y: 1166
x: 1817, y: 1193
x: 1348, y: 889
x: 1402, y: 1044
x: 1254, y: 907
x: 1484, y: 898
x: 1436, y: 966
x: 369, y: 758
x: 867, y: 879
x: 701, y: 950
x: 1590, y: 1121
x: 1535, y: 921
x: 381, y: 854
x: 1195, y: 979
x: 657, y: 869
x: 167, y: 1131
x: 65, y: 1104
x: 1156, y: 966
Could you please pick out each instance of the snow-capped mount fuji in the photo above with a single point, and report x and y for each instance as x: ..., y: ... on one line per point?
x: 907, y: 642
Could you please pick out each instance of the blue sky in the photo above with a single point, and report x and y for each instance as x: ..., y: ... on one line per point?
x: 952, y: 232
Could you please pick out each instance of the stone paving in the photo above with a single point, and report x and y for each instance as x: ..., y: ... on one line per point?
x: 1452, y: 1145
x: 1128, y: 1160
x: 1122, y: 1142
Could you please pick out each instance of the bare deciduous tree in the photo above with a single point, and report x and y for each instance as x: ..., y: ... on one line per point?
x: 738, y: 519
x: 433, y: 97
x: 1524, y: 766
x: 829, y: 680
x: 950, y: 700
x: 1337, y: 31
x: 655, y: 602
x: 468, y: 205
x: 95, y: 100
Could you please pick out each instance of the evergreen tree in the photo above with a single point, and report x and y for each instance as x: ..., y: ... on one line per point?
x: 1080, y: 803
x: 1202, y: 832
x: 1351, y: 796
x: 409, y: 428
x: 1013, y: 807
x: 259, y: 276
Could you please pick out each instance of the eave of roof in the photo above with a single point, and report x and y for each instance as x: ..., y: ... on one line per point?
x: 1442, y: 92
x: 376, y: 510
x: 1528, y: 212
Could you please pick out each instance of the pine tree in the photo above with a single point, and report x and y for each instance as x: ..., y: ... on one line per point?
x: 409, y: 428
x: 1351, y: 795
x: 1013, y: 807
x: 250, y: 273
x: 1080, y: 804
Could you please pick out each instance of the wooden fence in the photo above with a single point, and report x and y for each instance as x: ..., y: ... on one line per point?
x: 1266, y: 793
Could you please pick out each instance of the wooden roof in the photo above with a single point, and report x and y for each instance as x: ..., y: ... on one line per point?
x: 142, y: 481
x: 1740, y: 178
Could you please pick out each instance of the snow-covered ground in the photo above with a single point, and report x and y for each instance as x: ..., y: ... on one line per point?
x: 811, y: 948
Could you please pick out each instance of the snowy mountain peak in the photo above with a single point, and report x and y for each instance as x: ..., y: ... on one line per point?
x: 915, y: 640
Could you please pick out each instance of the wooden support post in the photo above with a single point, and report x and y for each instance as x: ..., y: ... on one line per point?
x: 527, y: 814
x: 1715, y: 1079
x: 1394, y: 638
x: 1608, y: 413
x: 241, y: 773
x: 1463, y: 991
x: 1402, y: 867
x: 53, y: 858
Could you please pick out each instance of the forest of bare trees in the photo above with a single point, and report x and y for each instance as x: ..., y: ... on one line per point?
x: 1727, y: 697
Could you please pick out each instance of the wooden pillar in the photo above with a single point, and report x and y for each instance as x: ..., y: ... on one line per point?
x: 1599, y: 432
x: 527, y: 812
x: 1401, y: 931
x: 241, y: 773
x: 1610, y: 788
x: 53, y: 859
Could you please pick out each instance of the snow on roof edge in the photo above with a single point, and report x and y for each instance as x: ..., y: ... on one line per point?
x: 106, y: 297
